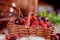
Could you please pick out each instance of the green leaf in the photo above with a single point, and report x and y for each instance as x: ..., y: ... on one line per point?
x: 52, y: 16
x: 42, y: 13
x: 58, y: 17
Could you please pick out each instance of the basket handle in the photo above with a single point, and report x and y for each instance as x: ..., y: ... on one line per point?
x: 29, y: 17
x: 20, y: 13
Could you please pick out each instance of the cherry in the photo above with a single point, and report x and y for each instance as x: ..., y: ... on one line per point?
x: 58, y: 34
x: 21, y: 22
x: 54, y: 37
x: 13, y: 38
x: 17, y: 21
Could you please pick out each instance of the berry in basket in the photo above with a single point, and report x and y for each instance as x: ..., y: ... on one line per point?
x: 19, y: 21
x: 43, y: 18
x: 25, y: 20
x: 38, y: 18
x: 33, y: 18
x: 41, y: 22
x: 44, y: 25
x: 48, y: 23
x: 35, y: 23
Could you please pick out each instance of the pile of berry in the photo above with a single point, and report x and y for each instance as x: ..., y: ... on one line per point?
x: 35, y: 21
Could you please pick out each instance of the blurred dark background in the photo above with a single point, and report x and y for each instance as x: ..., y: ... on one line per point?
x: 54, y: 3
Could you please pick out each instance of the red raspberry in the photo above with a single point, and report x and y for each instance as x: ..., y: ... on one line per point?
x: 41, y: 22
x: 35, y: 23
x: 25, y: 21
x: 48, y: 24
x: 44, y: 25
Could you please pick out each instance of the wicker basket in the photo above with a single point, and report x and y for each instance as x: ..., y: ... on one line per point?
x: 25, y: 30
x: 20, y: 30
x: 48, y: 32
x: 40, y: 32
x: 32, y: 31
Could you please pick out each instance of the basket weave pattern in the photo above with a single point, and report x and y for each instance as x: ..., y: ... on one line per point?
x: 22, y: 30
